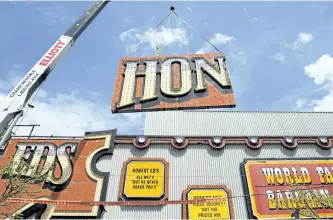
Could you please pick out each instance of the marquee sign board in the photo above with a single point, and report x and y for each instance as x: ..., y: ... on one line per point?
x: 270, y: 181
x: 172, y: 83
x: 144, y: 178
x: 220, y: 209
x: 74, y: 172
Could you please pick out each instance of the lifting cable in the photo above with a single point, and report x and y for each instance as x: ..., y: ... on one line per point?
x: 179, y: 20
x: 34, y: 95
x: 26, y: 112
x: 196, y: 32
x: 160, y: 45
x: 144, y: 203
x: 143, y: 39
x: 109, y: 203
x: 183, y: 41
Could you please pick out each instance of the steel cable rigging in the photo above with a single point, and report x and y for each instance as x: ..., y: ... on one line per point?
x: 179, y: 20
x: 143, y: 203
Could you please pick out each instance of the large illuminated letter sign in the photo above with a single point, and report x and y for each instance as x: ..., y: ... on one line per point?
x: 70, y: 166
x: 64, y: 152
x: 166, y: 83
x: 167, y: 87
x: 150, y: 81
x: 220, y: 76
x: 127, y: 96
x: 49, y: 156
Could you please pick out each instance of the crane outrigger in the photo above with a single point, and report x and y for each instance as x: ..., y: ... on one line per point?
x: 18, y: 100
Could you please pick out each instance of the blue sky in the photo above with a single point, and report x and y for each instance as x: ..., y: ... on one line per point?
x: 279, y: 55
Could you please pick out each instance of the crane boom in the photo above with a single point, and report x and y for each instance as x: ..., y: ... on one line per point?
x: 16, y: 102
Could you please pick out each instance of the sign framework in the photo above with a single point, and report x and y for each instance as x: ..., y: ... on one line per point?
x: 156, y: 83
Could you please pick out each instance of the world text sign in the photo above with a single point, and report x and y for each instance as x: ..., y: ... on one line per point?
x: 279, y: 187
x: 172, y: 82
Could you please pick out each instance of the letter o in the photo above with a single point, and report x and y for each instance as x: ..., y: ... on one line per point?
x: 55, y: 50
x: 278, y: 175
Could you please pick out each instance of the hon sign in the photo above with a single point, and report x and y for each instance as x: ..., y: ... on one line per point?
x: 270, y: 184
x: 165, y: 83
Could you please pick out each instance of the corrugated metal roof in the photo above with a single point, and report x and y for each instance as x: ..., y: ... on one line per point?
x: 239, y: 123
x: 196, y: 165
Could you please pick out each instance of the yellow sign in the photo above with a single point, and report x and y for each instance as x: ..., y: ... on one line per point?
x: 208, y: 210
x: 145, y: 179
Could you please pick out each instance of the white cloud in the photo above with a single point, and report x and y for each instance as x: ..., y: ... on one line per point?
x: 201, y: 51
x: 189, y: 9
x: 217, y: 39
x: 125, y: 20
x: 165, y: 36
x: 129, y: 34
x: 321, y: 71
x: 300, y: 103
x: 72, y: 114
x: 153, y: 18
x: 303, y: 38
x: 279, y: 57
x: 221, y: 39
x: 324, y: 104
x: 168, y: 35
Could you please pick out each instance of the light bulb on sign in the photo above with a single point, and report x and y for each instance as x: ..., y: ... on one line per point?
x: 289, y: 140
x: 141, y: 140
x: 217, y: 140
x: 253, y: 140
x: 179, y: 140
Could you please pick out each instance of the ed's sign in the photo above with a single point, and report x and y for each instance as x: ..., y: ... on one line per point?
x: 73, y: 174
x: 172, y: 82
x: 144, y: 178
x: 279, y: 187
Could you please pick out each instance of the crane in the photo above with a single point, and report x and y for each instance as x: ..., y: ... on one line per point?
x: 19, y: 99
